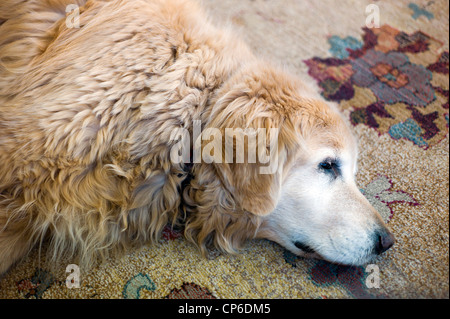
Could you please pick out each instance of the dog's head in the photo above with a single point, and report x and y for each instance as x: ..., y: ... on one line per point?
x: 320, y: 211
x: 303, y: 195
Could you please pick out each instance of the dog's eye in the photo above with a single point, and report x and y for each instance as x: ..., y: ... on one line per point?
x: 331, y: 167
x: 326, y: 165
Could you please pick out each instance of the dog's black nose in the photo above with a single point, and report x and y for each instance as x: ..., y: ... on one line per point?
x: 385, y: 240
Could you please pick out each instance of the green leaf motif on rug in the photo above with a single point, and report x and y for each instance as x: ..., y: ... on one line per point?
x: 133, y: 287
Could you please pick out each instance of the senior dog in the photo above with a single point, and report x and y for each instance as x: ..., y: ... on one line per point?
x: 91, y: 101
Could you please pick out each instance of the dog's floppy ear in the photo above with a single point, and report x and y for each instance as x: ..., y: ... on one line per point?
x: 253, y: 175
x: 251, y: 160
x: 231, y: 191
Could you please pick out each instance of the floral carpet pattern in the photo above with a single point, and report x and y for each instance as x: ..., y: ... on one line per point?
x: 401, y: 98
x: 392, y: 84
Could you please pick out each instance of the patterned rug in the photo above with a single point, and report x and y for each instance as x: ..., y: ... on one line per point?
x: 392, y: 83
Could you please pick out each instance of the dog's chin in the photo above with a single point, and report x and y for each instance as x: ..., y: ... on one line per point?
x: 302, y: 250
x: 355, y: 261
x: 305, y: 251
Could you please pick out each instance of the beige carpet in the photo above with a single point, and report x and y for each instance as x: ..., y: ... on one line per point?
x: 392, y: 83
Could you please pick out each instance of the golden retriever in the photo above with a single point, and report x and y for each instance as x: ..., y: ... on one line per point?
x: 93, y: 100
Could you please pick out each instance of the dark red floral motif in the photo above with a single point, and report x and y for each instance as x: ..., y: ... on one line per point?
x: 398, y: 93
x: 190, y: 291
x: 36, y: 285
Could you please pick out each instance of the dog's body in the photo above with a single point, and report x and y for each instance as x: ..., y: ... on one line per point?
x: 86, y: 117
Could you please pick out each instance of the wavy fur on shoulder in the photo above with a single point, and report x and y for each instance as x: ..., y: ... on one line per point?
x: 86, y: 116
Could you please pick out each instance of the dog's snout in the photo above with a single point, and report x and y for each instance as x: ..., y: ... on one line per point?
x: 384, y: 240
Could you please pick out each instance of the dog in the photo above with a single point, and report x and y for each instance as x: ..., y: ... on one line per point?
x: 90, y: 99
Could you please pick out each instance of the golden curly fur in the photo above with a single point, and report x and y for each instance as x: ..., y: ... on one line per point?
x: 86, y: 116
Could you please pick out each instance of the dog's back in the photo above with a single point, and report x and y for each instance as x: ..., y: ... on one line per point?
x: 86, y: 113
